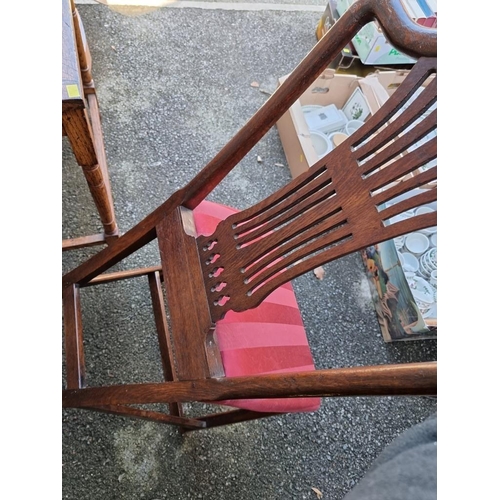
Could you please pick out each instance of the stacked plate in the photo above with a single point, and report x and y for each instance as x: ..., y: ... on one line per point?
x: 424, y: 294
x: 326, y: 119
x: 428, y: 263
x: 417, y: 253
x: 322, y: 121
x: 320, y: 143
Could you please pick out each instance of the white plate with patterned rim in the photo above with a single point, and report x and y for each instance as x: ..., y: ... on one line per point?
x: 431, y: 312
x: 430, y: 258
x: 422, y: 290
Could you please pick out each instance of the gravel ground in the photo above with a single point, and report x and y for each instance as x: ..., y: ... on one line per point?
x: 174, y: 87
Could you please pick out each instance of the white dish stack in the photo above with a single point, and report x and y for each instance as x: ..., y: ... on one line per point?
x: 322, y: 122
x: 417, y: 252
x: 336, y: 124
x: 326, y: 119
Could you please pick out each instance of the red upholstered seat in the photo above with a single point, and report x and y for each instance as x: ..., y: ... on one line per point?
x: 267, y: 339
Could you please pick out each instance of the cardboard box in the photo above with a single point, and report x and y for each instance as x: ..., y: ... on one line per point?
x: 399, y: 315
x: 371, y: 45
x: 329, y: 88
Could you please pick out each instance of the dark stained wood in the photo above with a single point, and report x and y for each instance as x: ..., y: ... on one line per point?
x: 234, y: 417
x: 166, y: 348
x: 334, y: 209
x: 73, y: 338
x: 406, y: 36
x: 153, y: 416
x: 81, y: 124
x: 411, y: 379
x: 83, y: 241
x: 123, y: 275
x: 402, y: 32
x: 190, y: 319
x: 342, y: 204
x: 400, y: 29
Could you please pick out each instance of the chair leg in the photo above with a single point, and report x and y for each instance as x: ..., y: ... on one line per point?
x: 73, y: 338
x: 166, y: 348
x: 232, y: 417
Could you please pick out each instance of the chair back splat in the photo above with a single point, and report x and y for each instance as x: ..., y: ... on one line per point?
x: 334, y: 209
x: 227, y: 283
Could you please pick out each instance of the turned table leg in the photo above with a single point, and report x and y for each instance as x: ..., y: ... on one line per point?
x: 78, y: 129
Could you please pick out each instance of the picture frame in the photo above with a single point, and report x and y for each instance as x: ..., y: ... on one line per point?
x: 356, y: 107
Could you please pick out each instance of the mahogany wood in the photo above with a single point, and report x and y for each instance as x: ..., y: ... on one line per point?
x: 343, y: 204
x: 334, y: 209
x: 189, y: 312
x: 83, y: 241
x: 234, y: 417
x: 411, y: 379
x: 123, y: 275
x: 166, y: 348
x: 73, y: 337
x: 153, y: 416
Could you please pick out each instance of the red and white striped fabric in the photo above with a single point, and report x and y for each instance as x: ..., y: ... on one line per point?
x: 267, y: 339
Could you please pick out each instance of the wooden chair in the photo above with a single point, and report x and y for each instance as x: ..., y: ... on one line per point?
x: 234, y: 335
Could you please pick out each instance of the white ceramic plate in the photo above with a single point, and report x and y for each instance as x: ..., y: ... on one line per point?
x: 422, y: 290
x: 320, y: 143
x: 410, y: 262
x: 431, y: 312
x: 307, y: 108
x: 430, y: 258
x: 417, y: 243
x: 425, y: 269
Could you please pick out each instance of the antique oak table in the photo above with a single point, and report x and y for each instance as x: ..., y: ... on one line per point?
x: 82, y: 125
